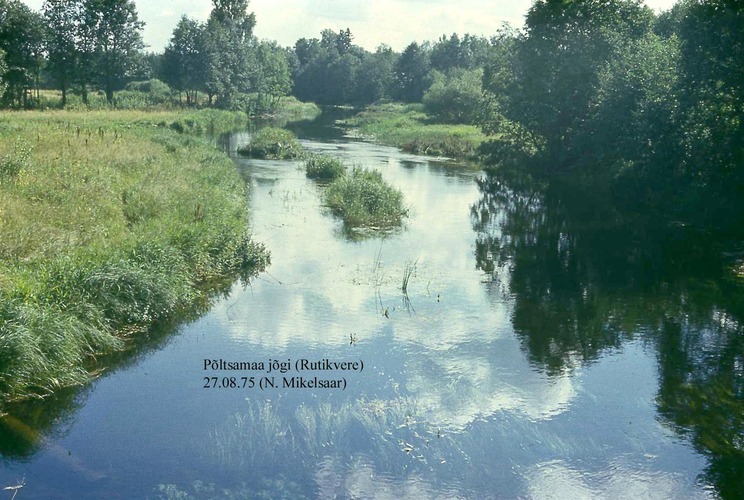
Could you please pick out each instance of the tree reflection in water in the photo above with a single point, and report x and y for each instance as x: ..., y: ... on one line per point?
x: 585, y: 280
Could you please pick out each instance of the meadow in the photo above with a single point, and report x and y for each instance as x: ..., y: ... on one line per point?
x: 408, y: 127
x: 110, y: 222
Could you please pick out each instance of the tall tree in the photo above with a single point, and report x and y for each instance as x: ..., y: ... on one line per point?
x: 22, y: 33
x: 272, y: 78
x: 116, y: 33
x: 61, y: 17
x: 230, y: 50
x: 184, y: 59
x: 332, y: 70
x: 566, y: 46
x: 711, y: 94
x: 375, y: 76
x: 411, y: 73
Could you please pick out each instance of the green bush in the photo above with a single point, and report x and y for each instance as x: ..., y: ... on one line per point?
x: 324, y: 167
x: 456, y: 97
x: 362, y: 198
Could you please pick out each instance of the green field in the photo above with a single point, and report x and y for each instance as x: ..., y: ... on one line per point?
x: 406, y: 126
x: 110, y: 221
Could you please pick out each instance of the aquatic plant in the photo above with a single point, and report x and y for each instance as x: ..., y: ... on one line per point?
x: 363, y: 198
x: 324, y: 167
x: 272, y: 143
x: 408, y: 270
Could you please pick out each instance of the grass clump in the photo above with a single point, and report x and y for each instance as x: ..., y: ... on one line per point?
x: 109, y: 224
x: 273, y: 144
x: 324, y: 167
x: 363, y: 198
x: 406, y: 126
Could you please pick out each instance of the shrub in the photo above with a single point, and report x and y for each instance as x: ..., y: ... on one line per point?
x: 456, y: 97
x: 324, y: 167
x: 362, y: 198
x: 273, y: 143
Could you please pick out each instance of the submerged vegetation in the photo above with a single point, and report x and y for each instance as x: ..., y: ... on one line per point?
x: 324, y: 167
x: 363, y: 198
x: 109, y: 223
x: 273, y: 144
x: 407, y: 126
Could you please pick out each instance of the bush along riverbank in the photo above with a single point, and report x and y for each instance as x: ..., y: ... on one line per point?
x: 110, y: 221
x: 406, y: 126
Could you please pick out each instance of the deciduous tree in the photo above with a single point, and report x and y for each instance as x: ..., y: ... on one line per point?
x: 115, y: 31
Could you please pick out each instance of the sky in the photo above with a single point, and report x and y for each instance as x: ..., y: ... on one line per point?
x: 372, y: 22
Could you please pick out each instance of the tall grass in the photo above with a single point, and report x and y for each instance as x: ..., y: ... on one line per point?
x: 273, y: 143
x: 324, y: 167
x: 363, y: 198
x: 110, y: 221
x: 406, y: 126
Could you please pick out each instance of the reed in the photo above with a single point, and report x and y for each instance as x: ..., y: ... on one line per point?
x: 324, y: 168
x: 363, y: 198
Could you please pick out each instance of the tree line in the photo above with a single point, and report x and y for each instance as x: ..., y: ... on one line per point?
x: 648, y: 107
x: 79, y: 45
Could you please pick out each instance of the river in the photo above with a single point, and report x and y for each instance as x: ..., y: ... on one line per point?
x: 537, y: 350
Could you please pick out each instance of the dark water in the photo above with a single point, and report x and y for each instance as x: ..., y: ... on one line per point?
x: 544, y: 349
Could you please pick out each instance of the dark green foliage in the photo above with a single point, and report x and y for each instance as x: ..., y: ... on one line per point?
x: 185, y: 59
x: 470, y: 52
x: 22, y: 35
x: 156, y: 91
x: 324, y: 167
x: 363, y: 198
x: 273, y: 143
x: 61, y: 44
x: 711, y: 101
x: 456, y: 97
x: 115, y: 31
x: 334, y: 71
x: 649, y: 109
x: 411, y: 74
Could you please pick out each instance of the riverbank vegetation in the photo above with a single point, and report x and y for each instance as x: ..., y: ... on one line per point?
x: 110, y: 222
x: 408, y: 127
x: 273, y: 144
x: 363, y: 198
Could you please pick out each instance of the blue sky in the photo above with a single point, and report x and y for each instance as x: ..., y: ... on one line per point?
x: 372, y: 22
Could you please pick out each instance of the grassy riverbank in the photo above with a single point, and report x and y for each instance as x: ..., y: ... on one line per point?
x: 110, y: 221
x: 406, y: 126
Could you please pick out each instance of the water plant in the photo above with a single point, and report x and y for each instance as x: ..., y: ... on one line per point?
x: 324, y: 167
x: 363, y: 198
x: 408, y: 270
x: 274, y: 144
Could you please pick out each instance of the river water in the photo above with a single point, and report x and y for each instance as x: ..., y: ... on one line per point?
x: 539, y: 350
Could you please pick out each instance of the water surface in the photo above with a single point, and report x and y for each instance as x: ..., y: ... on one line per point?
x: 536, y: 353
